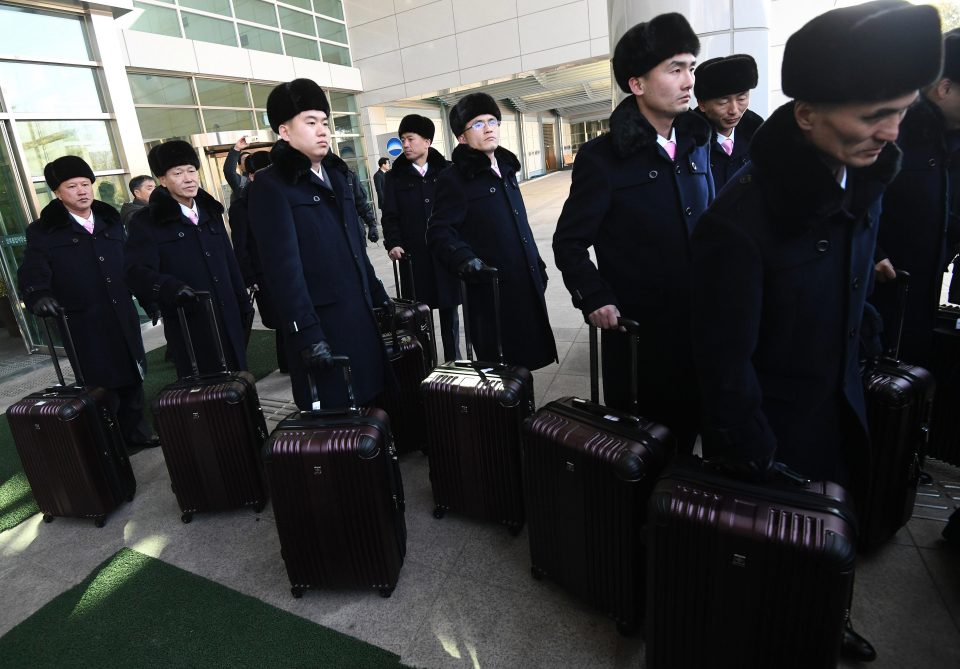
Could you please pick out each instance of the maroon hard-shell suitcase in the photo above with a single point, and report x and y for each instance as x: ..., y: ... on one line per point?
x: 746, y: 576
x: 211, y: 430
x: 945, y: 365
x: 413, y: 316
x: 588, y: 473
x: 474, y: 415
x: 402, y: 400
x: 899, y: 401
x: 337, y: 498
x: 69, y: 442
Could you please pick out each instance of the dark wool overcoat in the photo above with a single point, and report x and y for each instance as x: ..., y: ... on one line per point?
x: 637, y: 209
x: 317, y: 270
x: 915, y: 226
x: 166, y: 251
x: 248, y: 257
x: 407, y: 203
x: 84, y: 273
x: 783, y: 261
x: 722, y: 166
x: 480, y: 215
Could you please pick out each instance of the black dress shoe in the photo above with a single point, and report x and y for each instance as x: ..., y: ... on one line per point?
x: 855, y: 647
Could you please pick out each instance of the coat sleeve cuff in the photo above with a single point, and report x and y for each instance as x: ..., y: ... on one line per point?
x: 590, y: 303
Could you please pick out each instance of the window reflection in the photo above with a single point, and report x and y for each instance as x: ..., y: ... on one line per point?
x: 156, y: 90
x: 45, y: 88
x: 63, y: 36
x: 44, y: 141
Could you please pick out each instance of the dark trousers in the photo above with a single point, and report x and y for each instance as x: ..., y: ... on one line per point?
x: 450, y: 333
x: 133, y: 426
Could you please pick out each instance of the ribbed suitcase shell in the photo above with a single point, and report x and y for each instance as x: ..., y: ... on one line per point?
x: 588, y: 472
x: 402, y: 401
x: 945, y: 365
x: 899, y: 403
x: 474, y: 414
x: 417, y: 318
x: 211, y: 431
x: 742, y: 576
x: 72, y: 452
x: 337, y: 500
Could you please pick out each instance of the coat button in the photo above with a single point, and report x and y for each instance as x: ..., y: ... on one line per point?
x: 316, y: 198
x: 678, y: 169
x: 179, y: 234
x: 856, y: 283
x: 114, y: 301
x: 822, y: 246
x: 427, y: 200
x: 932, y: 162
x: 516, y: 213
x: 693, y: 166
x: 688, y: 211
x: 109, y: 280
x: 75, y: 240
x: 216, y: 280
x: 493, y: 190
x: 523, y: 239
x: 101, y: 258
x: 852, y: 333
x: 653, y: 174
x: 206, y: 253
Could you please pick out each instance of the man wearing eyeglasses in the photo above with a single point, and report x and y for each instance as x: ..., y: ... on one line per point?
x: 636, y: 195
x: 478, y: 222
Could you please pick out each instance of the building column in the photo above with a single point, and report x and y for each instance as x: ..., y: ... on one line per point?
x: 724, y: 26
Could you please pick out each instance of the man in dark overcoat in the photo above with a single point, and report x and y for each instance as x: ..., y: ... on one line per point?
x: 723, y: 96
x: 479, y: 221
x: 74, y: 262
x: 783, y: 259
x: 303, y: 214
x: 636, y: 196
x: 179, y: 245
x: 409, y: 193
x: 919, y: 226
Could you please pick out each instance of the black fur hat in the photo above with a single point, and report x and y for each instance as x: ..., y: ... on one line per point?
x: 646, y: 44
x: 951, y: 55
x: 420, y: 125
x: 725, y: 76
x: 257, y: 160
x: 866, y: 53
x: 66, y: 167
x: 172, y: 154
x: 289, y: 99
x: 471, y: 106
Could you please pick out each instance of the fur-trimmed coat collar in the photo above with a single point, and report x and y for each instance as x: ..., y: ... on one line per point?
x: 294, y: 166
x: 923, y: 124
x: 164, y: 210
x: 746, y: 128
x: 631, y: 132
x: 472, y: 162
x: 435, y: 162
x: 55, y: 215
x: 799, y: 188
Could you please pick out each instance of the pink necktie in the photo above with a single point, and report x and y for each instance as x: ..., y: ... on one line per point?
x: 727, y: 145
x: 193, y: 217
x: 671, y: 149
x: 88, y: 225
x: 496, y: 169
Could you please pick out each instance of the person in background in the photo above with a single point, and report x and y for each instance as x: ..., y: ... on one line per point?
x: 383, y: 166
x: 178, y: 245
x: 74, y: 263
x: 234, y: 168
x: 140, y: 187
x: 784, y: 258
x: 723, y: 96
x: 409, y: 193
x: 365, y: 216
x: 304, y: 216
x: 478, y: 222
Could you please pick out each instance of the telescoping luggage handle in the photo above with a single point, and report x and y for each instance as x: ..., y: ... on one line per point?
x: 633, y: 331
x: 67, y: 345
x: 903, y: 287
x: 495, y: 284
x: 207, y: 299
x: 396, y: 278
x: 338, y: 361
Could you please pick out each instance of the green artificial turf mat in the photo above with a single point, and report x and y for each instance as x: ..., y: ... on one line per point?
x: 137, y: 611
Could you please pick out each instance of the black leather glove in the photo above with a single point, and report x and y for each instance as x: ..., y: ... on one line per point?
x: 317, y: 355
x: 473, y: 270
x: 185, y: 295
x: 46, y: 306
x: 373, y: 234
x: 154, y: 314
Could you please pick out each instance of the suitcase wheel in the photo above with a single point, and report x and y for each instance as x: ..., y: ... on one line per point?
x: 386, y: 592
x: 187, y: 517
x: 296, y: 592
x: 438, y: 512
x: 100, y: 521
x: 47, y: 518
x: 537, y: 573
